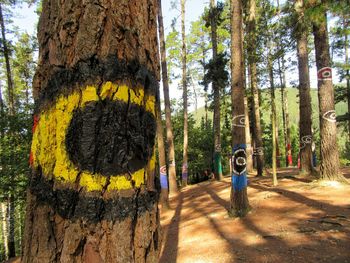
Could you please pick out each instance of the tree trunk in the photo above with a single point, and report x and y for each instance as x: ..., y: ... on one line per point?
x: 6, y: 52
x: 11, y: 225
x: 329, y: 168
x: 346, y: 51
x: 4, y: 228
x: 162, y: 160
x: 184, y: 96
x: 11, y: 107
x: 239, y: 198
x: 94, y: 134
x: 305, y: 108
x: 248, y: 138
x: 216, y: 89
x: 273, y: 117
x: 259, y: 148
x: 285, y: 113
x: 173, y: 190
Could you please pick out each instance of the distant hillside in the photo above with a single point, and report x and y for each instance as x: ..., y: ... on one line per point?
x: 293, y: 107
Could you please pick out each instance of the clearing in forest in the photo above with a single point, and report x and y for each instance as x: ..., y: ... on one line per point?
x: 297, y: 221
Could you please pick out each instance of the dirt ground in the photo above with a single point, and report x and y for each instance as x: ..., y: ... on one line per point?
x: 297, y: 221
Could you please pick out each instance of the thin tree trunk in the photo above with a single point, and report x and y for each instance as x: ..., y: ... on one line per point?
x: 216, y: 89
x: 162, y: 160
x: 4, y: 226
x: 285, y: 114
x: 6, y: 53
x: 259, y: 148
x: 184, y: 97
x: 329, y: 168
x: 11, y: 224
x: 94, y: 135
x: 305, y: 108
x: 239, y: 198
x: 273, y: 117
x: 346, y: 43
x: 173, y: 189
x: 11, y: 104
x: 248, y: 137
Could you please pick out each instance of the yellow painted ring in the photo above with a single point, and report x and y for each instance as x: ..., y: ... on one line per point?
x: 49, y: 148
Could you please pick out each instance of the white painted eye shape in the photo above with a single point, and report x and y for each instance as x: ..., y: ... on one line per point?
x: 330, y: 116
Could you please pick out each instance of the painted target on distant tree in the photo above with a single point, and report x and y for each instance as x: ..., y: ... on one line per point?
x: 239, y: 167
x: 324, y: 73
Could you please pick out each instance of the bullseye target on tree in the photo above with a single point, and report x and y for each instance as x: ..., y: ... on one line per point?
x: 70, y: 144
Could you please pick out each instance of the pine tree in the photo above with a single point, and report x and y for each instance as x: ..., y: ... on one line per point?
x: 94, y: 135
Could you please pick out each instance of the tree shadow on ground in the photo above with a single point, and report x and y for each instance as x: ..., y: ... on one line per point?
x: 170, y: 251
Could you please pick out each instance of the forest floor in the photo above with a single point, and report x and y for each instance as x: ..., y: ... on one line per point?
x: 299, y: 220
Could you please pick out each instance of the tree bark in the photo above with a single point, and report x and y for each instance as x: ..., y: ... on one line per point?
x: 273, y: 117
x: 239, y: 199
x: 305, y: 108
x: 329, y: 168
x: 216, y: 89
x: 247, y: 136
x: 94, y: 134
x: 173, y: 189
x: 184, y: 96
x: 259, y: 148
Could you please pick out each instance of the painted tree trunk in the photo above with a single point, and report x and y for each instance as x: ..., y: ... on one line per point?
x: 173, y: 189
x: 216, y: 89
x: 164, y: 186
x: 94, y: 134
x: 259, y: 148
x: 273, y: 118
x: 184, y: 96
x: 329, y: 168
x: 239, y: 205
x: 305, y: 108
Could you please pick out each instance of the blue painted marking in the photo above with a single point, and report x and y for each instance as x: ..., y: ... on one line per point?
x: 239, y: 146
x: 184, y: 176
x: 239, y: 182
x: 163, y: 181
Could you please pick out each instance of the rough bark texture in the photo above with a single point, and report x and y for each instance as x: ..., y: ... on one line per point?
x: 184, y: 96
x: 239, y: 199
x: 216, y: 89
x: 329, y: 168
x: 273, y: 118
x: 259, y: 148
x: 173, y: 189
x: 95, y: 92
x: 305, y: 109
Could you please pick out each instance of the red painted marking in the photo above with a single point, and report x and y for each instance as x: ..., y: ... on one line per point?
x: 35, y: 123
x: 325, y: 73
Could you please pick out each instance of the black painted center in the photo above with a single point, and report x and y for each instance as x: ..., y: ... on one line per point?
x: 111, y: 137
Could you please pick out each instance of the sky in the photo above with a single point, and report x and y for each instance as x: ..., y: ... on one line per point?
x: 25, y: 19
